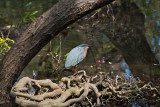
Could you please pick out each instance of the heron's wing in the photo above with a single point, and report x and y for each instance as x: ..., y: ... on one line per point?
x: 75, y: 56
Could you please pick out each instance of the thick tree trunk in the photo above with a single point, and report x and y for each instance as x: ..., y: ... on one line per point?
x: 128, y: 35
x: 37, y: 36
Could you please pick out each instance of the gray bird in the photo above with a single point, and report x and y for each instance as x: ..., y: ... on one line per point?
x: 76, y: 55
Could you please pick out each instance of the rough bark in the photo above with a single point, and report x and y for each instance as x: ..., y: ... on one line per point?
x: 39, y: 33
x: 128, y: 35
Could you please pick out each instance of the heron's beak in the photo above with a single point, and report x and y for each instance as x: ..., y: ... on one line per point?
x: 90, y: 46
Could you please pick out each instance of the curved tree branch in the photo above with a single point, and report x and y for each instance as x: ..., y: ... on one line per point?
x: 39, y: 33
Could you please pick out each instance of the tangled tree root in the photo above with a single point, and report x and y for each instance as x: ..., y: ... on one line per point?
x: 83, y: 90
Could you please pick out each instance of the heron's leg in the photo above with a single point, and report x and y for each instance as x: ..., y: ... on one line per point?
x: 75, y: 69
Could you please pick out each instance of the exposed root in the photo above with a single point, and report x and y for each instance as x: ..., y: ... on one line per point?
x: 80, y: 90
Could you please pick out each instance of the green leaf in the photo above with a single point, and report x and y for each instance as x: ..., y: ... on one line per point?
x: 65, y: 55
x: 54, y: 53
x: 24, y: 18
x: 11, y: 23
x: 33, y: 13
x: 5, y: 45
x: 91, y: 66
x: 28, y: 4
x: 32, y: 19
x: 158, y: 100
x: 110, y: 63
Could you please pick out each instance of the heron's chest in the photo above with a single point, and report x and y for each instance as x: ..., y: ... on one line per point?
x: 85, y: 50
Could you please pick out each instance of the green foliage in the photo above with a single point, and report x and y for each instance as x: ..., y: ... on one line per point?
x: 56, y: 54
x: 5, y: 44
x: 29, y: 17
x: 158, y: 100
x: 28, y: 4
x: 51, y: 58
x: 11, y: 24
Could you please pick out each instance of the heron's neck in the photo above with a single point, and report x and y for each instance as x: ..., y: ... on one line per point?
x: 85, y: 49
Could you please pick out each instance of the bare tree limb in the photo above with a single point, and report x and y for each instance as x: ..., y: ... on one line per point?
x: 39, y: 33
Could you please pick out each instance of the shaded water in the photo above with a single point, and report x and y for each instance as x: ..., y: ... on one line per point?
x: 151, y: 10
x: 103, y: 57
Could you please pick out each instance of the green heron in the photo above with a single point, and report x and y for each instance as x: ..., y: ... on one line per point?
x: 76, y: 55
